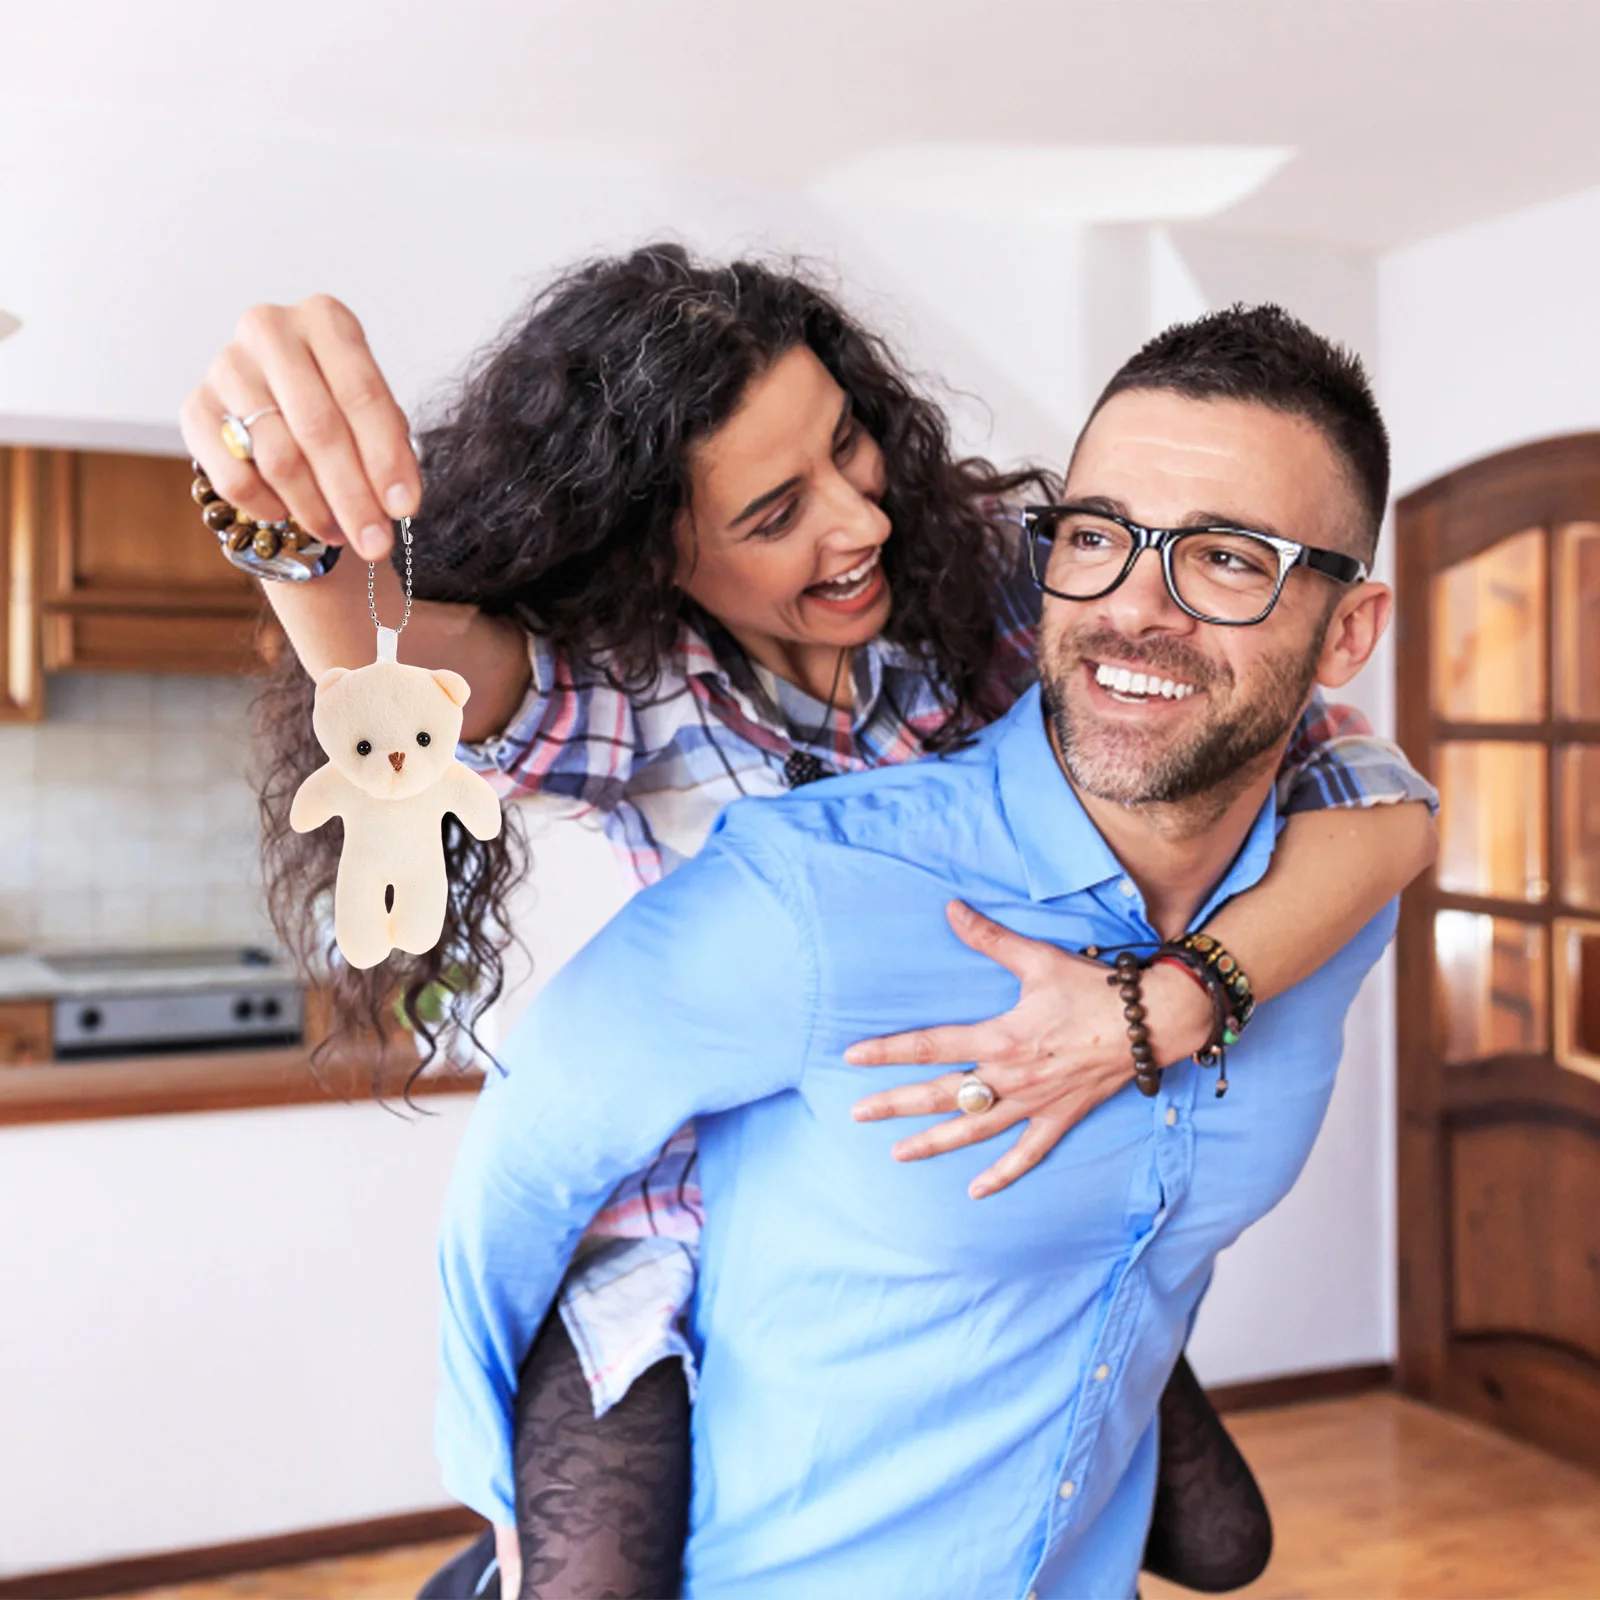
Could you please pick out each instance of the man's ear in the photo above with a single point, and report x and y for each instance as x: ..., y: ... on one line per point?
x: 453, y: 684
x: 331, y: 677
x: 1357, y: 624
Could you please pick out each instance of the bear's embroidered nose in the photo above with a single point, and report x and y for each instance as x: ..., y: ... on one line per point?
x: 397, y: 759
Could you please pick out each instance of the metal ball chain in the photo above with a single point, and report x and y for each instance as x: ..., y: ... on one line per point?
x: 372, y: 604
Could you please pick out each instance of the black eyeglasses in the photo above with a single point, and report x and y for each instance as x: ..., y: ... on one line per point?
x: 1229, y: 576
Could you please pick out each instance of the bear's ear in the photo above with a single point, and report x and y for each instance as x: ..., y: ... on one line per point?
x: 331, y: 677
x: 453, y: 685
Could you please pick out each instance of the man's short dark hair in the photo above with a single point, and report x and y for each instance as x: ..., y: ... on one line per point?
x: 1262, y: 354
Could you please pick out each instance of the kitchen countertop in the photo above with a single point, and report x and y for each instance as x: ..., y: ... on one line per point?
x: 68, y: 974
x: 239, y: 1080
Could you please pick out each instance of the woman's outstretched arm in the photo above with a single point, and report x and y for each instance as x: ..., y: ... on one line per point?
x: 1063, y: 1048
x: 336, y: 455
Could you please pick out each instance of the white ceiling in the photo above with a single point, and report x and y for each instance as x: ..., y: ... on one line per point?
x: 1407, y: 117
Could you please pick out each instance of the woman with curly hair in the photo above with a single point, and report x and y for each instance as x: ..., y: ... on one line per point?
x: 690, y: 534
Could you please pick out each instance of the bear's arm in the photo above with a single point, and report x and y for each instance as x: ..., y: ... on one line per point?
x: 321, y: 796
x: 474, y: 803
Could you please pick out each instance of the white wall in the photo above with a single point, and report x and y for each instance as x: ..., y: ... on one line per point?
x: 216, y: 1326
x: 1491, y: 336
x: 130, y: 244
x: 225, y: 1322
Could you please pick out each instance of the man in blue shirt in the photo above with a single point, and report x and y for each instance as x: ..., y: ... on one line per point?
x: 902, y: 1392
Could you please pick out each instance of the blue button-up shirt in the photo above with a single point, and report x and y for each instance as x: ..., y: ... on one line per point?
x: 902, y: 1391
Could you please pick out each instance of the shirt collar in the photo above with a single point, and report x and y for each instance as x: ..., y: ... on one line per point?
x: 1061, y: 849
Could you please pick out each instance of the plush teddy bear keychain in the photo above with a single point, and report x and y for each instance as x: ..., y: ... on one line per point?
x: 390, y: 732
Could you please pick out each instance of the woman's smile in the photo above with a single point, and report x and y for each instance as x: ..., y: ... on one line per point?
x: 855, y: 589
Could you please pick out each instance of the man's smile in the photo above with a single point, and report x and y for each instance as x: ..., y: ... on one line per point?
x: 1135, y: 686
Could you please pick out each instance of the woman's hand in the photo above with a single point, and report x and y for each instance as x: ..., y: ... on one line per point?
x: 336, y: 455
x: 1051, y: 1059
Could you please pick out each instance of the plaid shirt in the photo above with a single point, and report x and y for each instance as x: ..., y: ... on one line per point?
x: 659, y: 768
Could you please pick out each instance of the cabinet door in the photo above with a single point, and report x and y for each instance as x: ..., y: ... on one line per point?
x: 24, y: 1033
x: 21, y: 669
x: 125, y: 532
x: 133, y: 580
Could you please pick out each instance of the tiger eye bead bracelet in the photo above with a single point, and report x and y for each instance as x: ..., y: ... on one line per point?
x: 266, y: 549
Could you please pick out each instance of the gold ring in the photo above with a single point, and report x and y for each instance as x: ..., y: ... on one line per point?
x: 236, y: 433
x: 974, y: 1095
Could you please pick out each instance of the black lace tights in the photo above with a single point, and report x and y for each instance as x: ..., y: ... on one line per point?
x: 602, y: 1506
x: 1209, y: 1528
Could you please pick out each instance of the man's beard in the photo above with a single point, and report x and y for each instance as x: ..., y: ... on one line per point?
x: 1132, y: 767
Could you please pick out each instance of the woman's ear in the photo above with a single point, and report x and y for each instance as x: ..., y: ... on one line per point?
x: 1357, y: 624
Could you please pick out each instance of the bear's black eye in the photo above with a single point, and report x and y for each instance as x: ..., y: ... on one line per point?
x: 364, y: 747
x: 424, y: 740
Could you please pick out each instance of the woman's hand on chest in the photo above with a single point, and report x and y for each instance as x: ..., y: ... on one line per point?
x: 1057, y: 1054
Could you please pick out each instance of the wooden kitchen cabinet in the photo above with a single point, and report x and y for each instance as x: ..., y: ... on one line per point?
x: 21, y: 662
x: 24, y: 1033
x: 129, y: 580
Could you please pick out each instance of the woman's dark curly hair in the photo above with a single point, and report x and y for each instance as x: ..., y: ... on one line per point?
x: 551, y: 490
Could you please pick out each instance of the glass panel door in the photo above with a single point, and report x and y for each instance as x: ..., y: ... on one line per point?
x: 1492, y: 986
x: 1489, y: 633
x: 1491, y: 820
x: 1578, y: 774
x: 1578, y: 621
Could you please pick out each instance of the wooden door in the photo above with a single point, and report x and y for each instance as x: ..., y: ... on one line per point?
x: 1499, y: 963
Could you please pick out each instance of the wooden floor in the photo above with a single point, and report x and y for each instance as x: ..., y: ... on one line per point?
x: 1374, y: 1498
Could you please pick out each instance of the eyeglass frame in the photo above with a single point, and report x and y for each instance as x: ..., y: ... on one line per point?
x: 1342, y: 569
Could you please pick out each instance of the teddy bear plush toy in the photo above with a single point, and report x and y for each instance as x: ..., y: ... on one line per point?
x: 390, y: 732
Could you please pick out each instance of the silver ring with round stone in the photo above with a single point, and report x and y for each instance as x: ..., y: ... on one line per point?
x: 974, y: 1095
x: 236, y: 438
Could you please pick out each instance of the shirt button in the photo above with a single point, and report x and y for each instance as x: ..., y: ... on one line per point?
x: 1068, y: 1489
x: 1101, y: 1373
x: 1172, y: 1116
x: 1126, y: 886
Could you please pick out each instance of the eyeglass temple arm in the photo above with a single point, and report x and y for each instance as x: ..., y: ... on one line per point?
x: 1341, y: 568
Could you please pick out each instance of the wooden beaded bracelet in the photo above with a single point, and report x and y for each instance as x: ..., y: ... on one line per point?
x: 1127, y: 977
x: 1225, y: 985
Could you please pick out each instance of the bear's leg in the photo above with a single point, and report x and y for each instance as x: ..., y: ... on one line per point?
x: 417, y: 920
x: 360, y: 918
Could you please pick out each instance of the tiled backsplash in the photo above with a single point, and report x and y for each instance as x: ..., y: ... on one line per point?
x: 126, y: 819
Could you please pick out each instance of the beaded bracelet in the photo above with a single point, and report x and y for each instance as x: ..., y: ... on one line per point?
x: 1209, y: 965
x: 1127, y: 978
x: 280, y: 550
x: 1220, y: 972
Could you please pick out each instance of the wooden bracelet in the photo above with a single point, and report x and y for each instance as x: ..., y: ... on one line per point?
x: 1127, y: 978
